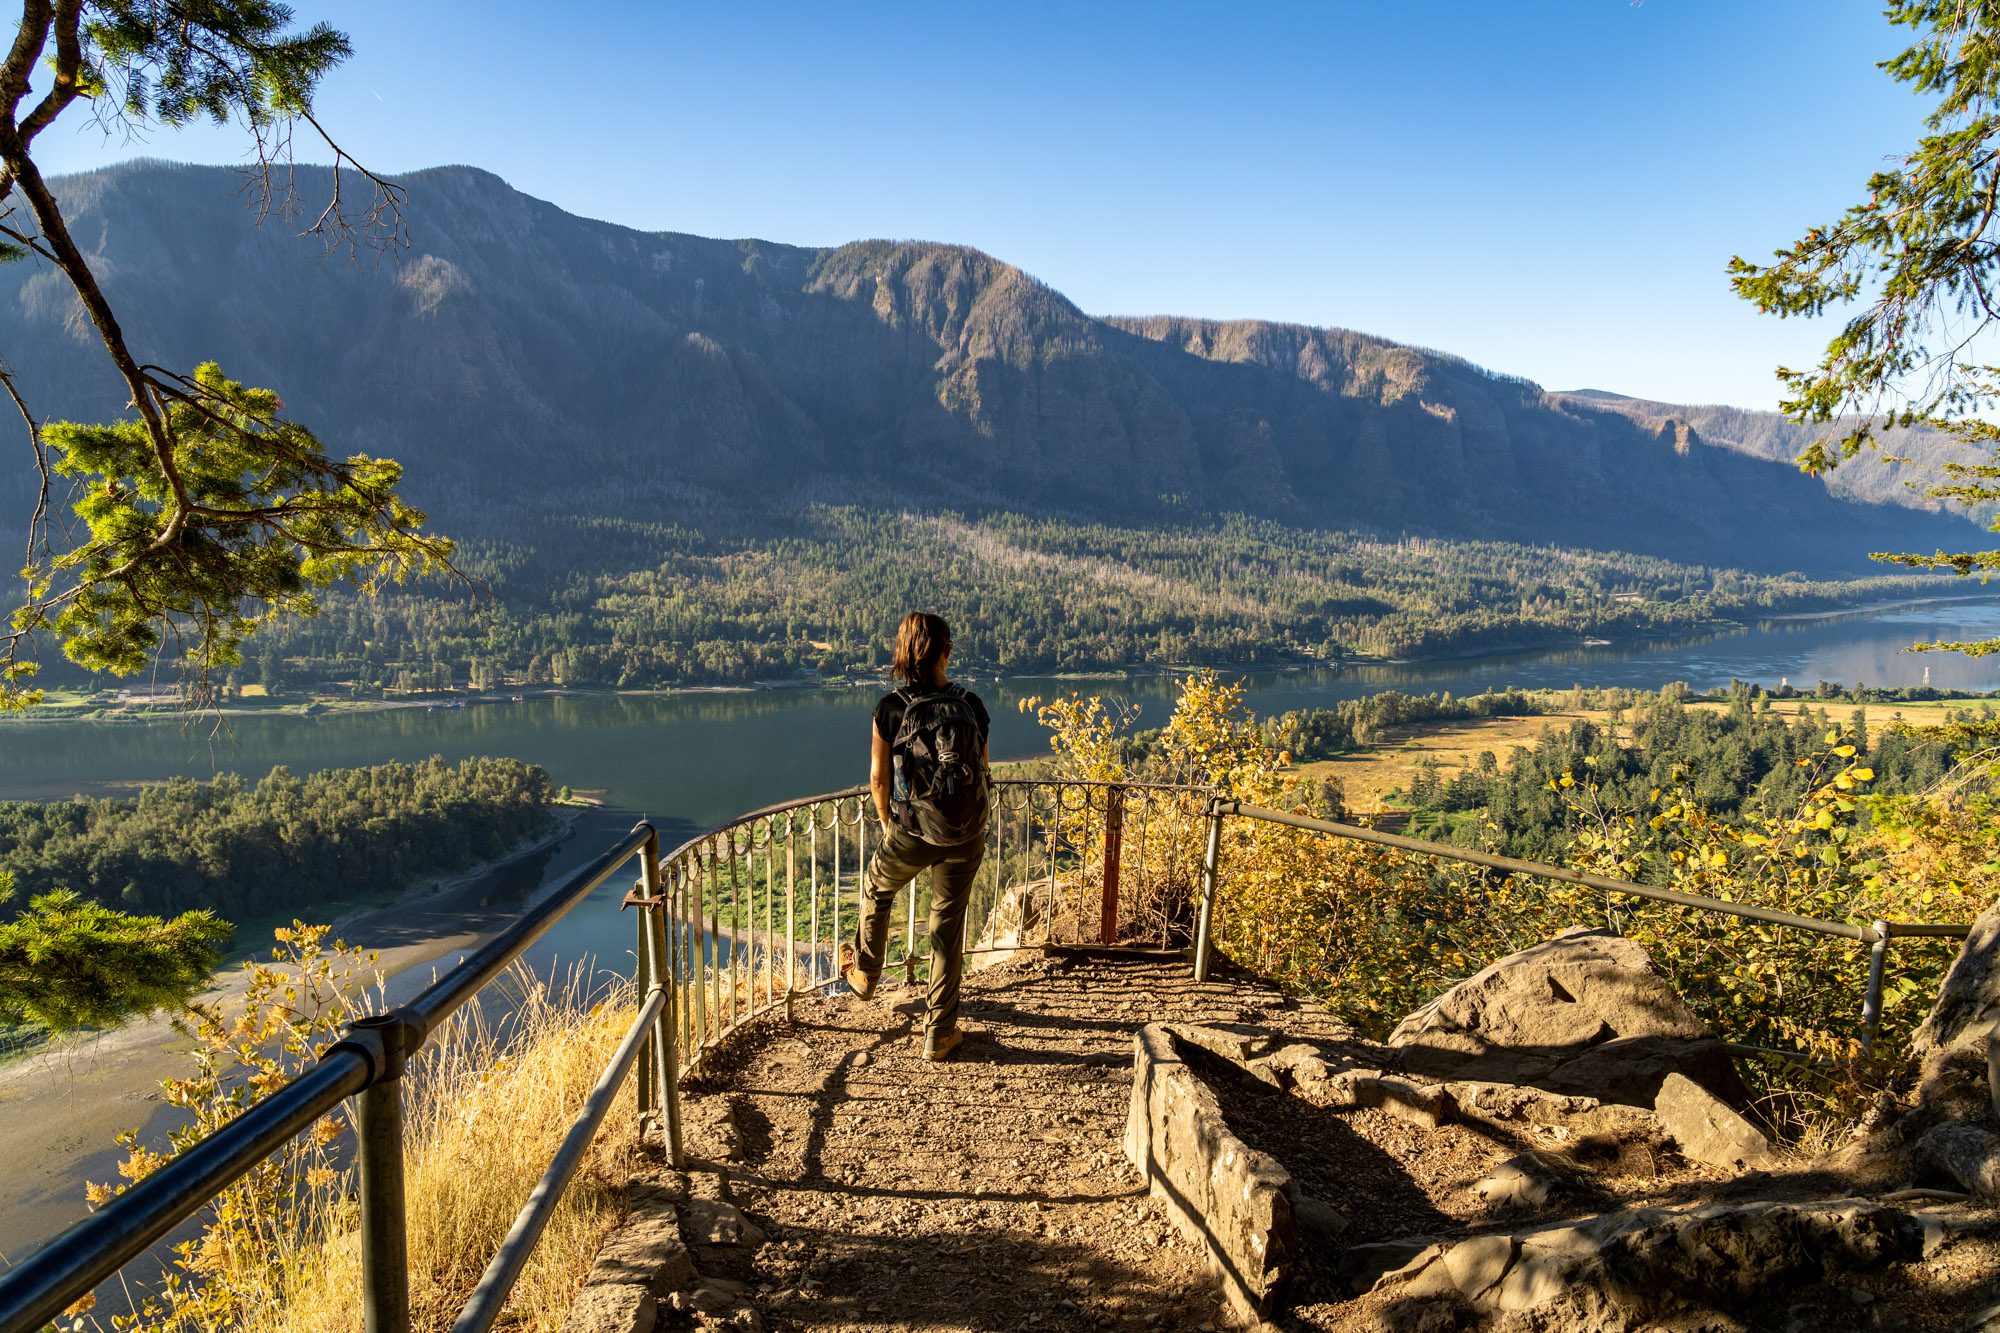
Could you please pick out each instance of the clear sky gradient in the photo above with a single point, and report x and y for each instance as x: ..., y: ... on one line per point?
x: 1550, y: 189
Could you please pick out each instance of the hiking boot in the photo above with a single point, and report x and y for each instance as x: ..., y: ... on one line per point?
x: 861, y: 983
x: 939, y: 1045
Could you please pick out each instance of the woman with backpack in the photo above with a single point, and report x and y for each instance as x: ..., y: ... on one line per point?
x: 927, y: 770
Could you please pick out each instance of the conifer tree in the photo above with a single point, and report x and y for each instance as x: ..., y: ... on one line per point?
x: 207, y: 512
x: 66, y: 963
x: 1919, y: 255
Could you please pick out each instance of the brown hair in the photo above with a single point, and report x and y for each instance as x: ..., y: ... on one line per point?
x: 922, y: 640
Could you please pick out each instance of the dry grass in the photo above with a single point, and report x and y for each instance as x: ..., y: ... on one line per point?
x: 1368, y: 776
x: 485, y: 1110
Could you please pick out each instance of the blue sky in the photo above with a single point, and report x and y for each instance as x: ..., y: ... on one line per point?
x: 1550, y: 189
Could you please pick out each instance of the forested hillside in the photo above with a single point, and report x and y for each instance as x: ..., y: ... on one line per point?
x: 278, y: 846
x: 678, y: 459
x: 820, y: 591
x: 1744, y: 760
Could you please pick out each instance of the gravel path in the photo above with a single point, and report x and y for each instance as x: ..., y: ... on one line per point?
x: 989, y: 1192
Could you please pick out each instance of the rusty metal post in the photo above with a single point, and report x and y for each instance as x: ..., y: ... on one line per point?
x: 663, y: 1070
x: 1114, y: 846
x: 642, y: 973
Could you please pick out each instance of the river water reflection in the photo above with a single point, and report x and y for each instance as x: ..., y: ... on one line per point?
x: 699, y: 758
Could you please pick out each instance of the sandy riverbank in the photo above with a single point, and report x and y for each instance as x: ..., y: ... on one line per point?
x: 62, y: 1107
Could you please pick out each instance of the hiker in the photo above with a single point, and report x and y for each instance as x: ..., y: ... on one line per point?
x: 927, y: 762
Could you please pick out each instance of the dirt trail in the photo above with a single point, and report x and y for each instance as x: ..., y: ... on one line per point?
x: 989, y: 1192
x: 992, y: 1192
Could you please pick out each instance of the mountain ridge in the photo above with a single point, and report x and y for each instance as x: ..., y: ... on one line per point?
x: 519, y: 359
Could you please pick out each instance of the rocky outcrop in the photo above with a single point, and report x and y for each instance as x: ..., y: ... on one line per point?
x: 1952, y: 1045
x: 673, y: 1261
x: 1581, y: 1013
x: 1966, y: 1153
x: 642, y: 1263
x: 1018, y: 920
x: 1631, y: 1269
x: 1233, y: 1201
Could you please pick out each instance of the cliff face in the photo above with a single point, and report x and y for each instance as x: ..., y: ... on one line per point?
x: 519, y: 358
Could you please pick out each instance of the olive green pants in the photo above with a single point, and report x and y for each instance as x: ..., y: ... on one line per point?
x: 900, y: 859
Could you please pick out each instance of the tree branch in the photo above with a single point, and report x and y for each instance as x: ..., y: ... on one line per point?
x: 66, y: 255
x: 69, y: 68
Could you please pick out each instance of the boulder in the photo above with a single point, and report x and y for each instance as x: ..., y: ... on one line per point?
x: 1951, y: 1046
x: 1708, y: 1131
x: 1583, y: 1013
x: 1525, y: 1182
x: 1967, y: 1154
x: 1631, y: 1269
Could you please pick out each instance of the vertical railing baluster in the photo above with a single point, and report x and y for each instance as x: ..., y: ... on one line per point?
x: 791, y: 910
x: 1204, y: 920
x: 813, y: 961
x: 682, y: 958
x: 1025, y: 862
x: 735, y: 927
x: 704, y: 930
x: 836, y: 889
x: 642, y: 970
x: 1054, y: 828
x: 770, y: 926
x: 910, y: 925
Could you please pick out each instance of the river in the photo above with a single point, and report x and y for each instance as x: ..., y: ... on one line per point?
x: 696, y: 758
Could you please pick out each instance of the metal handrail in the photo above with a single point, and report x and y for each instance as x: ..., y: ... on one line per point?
x: 1876, y: 934
x: 367, y: 1060
x: 1867, y: 934
x: 758, y: 906
x: 49, y: 1282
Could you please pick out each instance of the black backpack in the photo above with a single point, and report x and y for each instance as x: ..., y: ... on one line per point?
x: 940, y: 764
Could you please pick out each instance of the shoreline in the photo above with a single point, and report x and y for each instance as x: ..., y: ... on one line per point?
x: 64, y: 1102
x: 149, y: 712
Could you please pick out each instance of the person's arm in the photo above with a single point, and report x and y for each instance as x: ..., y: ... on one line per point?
x: 879, y: 765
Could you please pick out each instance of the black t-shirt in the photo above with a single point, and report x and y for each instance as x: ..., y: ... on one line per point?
x: 889, y: 715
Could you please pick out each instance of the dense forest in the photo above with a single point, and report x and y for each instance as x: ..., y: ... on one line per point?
x: 1735, y: 762
x: 278, y: 846
x: 817, y: 593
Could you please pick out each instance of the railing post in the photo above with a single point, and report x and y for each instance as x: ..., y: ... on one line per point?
x: 1871, y: 1004
x: 1114, y: 844
x: 385, y: 1253
x: 642, y: 972
x: 791, y: 912
x: 1204, y: 919
x: 662, y: 974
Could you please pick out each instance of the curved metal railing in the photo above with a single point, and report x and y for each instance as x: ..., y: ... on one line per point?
x: 756, y: 909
